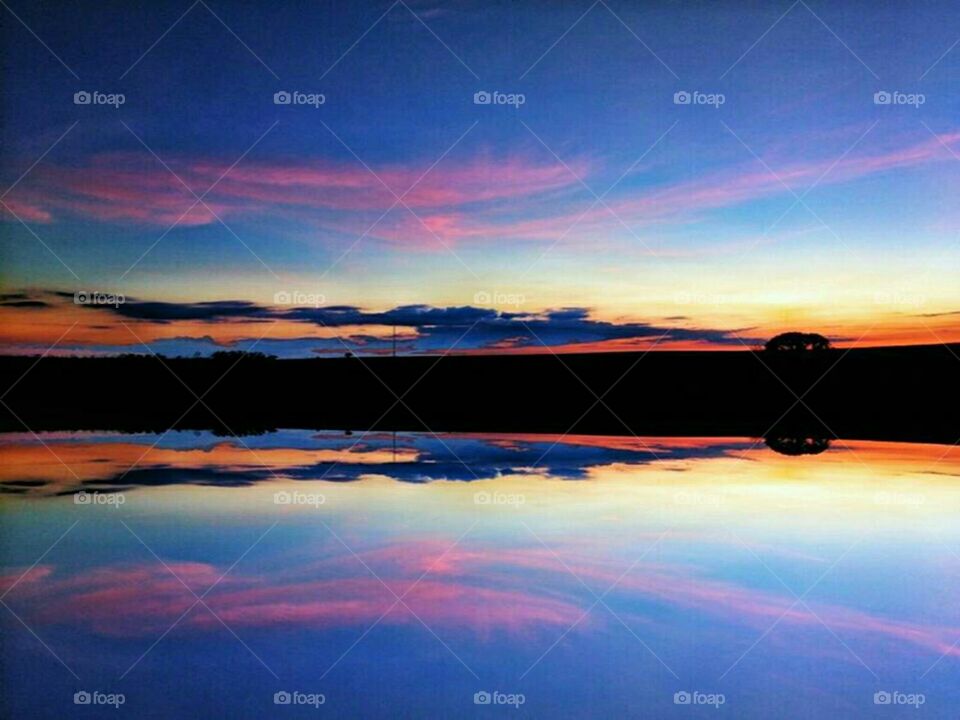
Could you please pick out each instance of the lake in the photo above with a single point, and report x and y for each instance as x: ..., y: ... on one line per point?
x: 307, y: 574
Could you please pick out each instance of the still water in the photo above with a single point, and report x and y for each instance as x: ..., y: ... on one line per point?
x: 306, y: 574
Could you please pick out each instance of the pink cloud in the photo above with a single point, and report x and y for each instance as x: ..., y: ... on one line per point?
x: 676, y: 586
x: 456, y: 201
x: 353, y: 187
x: 15, y: 578
x: 688, y: 200
x: 666, y: 203
x: 475, y: 590
x: 679, y: 587
x: 25, y: 210
x: 133, y: 188
x: 136, y: 600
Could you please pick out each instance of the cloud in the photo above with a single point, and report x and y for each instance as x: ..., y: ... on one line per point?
x: 414, y: 458
x: 475, y: 199
x: 689, y: 200
x: 11, y: 209
x: 427, y: 328
x: 129, y: 600
x: 950, y: 313
x: 169, y: 312
x: 135, y: 188
x: 21, y: 300
x: 481, y: 590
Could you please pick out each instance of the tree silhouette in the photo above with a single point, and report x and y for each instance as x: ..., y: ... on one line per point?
x: 797, y: 342
x: 790, y: 445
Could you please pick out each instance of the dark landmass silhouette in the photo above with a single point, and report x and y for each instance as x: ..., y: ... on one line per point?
x: 893, y: 393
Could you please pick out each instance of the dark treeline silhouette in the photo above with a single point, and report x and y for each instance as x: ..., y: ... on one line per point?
x: 797, y: 342
x: 902, y: 393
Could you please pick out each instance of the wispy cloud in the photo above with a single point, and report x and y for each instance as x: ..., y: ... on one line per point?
x: 479, y: 198
x: 135, y: 188
x: 472, y: 589
x: 335, y: 328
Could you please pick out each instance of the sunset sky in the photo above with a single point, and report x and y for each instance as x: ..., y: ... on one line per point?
x: 601, y: 213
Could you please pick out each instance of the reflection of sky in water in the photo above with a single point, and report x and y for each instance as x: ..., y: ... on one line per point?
x: 597, y: 576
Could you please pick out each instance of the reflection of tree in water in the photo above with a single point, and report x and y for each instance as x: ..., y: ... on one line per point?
x: 792, y: 445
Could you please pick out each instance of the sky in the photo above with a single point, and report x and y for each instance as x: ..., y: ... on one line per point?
x: 644, y: 175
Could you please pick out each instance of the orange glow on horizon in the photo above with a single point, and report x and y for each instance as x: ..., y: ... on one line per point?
x: 33, y: 330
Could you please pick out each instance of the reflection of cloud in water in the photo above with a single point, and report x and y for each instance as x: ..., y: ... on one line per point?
x: 475, y: 589
x: 114, y: 462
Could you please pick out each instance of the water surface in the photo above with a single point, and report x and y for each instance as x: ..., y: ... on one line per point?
x: 407, y: 575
